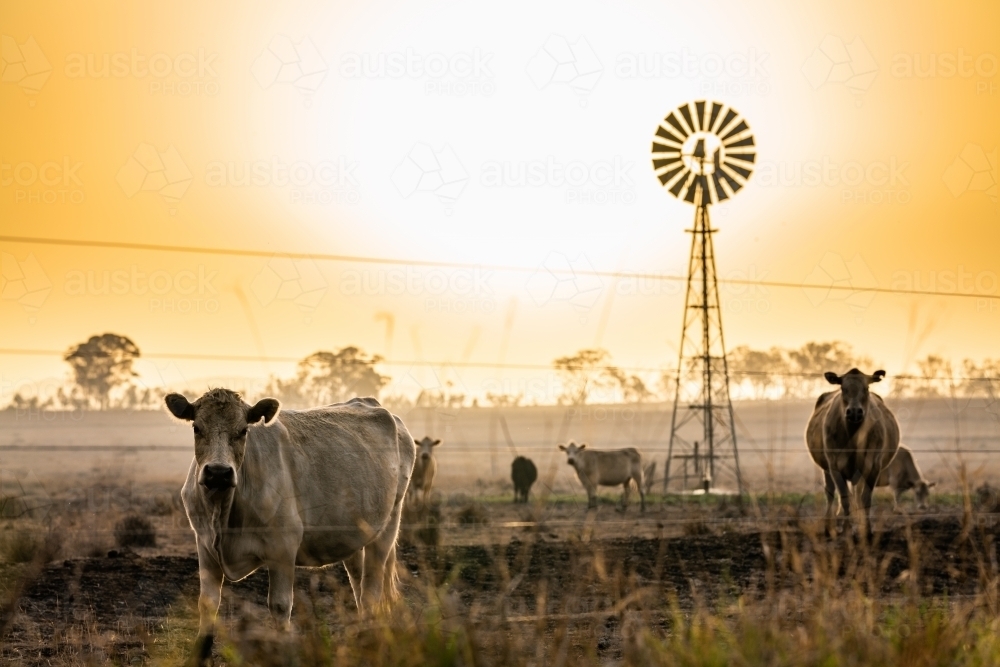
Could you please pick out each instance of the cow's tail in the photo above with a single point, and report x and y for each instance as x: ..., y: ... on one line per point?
x: 390, y: 585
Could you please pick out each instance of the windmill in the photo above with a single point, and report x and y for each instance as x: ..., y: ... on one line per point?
x: 703, y: 153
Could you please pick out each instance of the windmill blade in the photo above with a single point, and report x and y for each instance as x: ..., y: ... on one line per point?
x: 665, y: 162
x: 745, y: 173
x: 667, y: 175
x: 664, y: 133
x: 716, y: 108
x: 740, y: 127
x: 748, y: 141
x: 730, y: 116
x: 676, y: 188
x: 720, y: 192
x: 672, y: 119
x: 686, y: 112
x: 746, y: 157
x: 663, y: 148
x: 734, y: 185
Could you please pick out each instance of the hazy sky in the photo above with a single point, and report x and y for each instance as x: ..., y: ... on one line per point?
x: 509, y: 135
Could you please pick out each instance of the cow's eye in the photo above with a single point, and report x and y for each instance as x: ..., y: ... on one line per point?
x: 242, y: 434
x: 197, y: 432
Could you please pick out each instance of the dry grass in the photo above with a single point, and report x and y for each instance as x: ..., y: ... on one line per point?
x: 815, y: 600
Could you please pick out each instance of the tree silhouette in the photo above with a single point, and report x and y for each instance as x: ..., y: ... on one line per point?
x: 329, y: 377
x: 101, y: 365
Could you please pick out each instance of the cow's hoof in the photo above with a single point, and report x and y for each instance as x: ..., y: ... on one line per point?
x: 202, y: 651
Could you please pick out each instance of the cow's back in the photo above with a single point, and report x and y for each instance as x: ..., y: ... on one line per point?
x: 347, y: 464
x: 616, y: 466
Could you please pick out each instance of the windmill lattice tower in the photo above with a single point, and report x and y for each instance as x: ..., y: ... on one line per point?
x: 703, y: 153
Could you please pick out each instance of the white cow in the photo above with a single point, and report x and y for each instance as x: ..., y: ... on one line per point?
x: 310, y: 487
x: 903, y: 475
x: 606, y: 468
x: 424, y: 470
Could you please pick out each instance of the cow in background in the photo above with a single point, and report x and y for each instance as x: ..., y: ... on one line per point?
x: 523, y: 473
x: 424, y: 471
x: 903, y: 475
x: 606, y: 468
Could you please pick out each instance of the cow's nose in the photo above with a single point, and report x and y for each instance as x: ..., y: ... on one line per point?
x: 855, y: 415
x: 425, y: 456
x: 218, y: 476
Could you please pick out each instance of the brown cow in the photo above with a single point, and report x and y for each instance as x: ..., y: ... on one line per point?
x: 852, y: 436
x: 901, y: 475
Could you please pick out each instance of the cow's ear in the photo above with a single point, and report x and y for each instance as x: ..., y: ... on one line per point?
x: 179, y: 406
x: 831, y: 377
x: 583, y: 445
x: 930, y: 484
x: 877, y: 376
x: 562, y: 447
x: 266, y: 408
x: 435, y: 443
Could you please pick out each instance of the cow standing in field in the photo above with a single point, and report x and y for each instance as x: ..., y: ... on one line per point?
x: 903, y: 475
x: 852, y: 436
x: 307, y: 487
x: 523, y: 473
x: 606, y: 468
x: 424, y: 470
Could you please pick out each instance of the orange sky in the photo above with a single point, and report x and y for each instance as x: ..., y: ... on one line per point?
x: 311, y: 128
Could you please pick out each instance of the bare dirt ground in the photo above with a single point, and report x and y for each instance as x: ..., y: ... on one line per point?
x: 138, y: 607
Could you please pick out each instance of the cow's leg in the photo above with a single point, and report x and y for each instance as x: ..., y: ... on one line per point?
x: 210, y: 578
x: 831, y: 495
x: 868, y: 485
x: 355, y: 565
x: 280, y: 592
x: 380, y: 554
x: 591, y: 495
x: 625, y: 491
x: 842, y: 491
x: 642, y: 493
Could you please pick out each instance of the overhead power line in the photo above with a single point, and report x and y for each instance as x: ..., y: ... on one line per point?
x: 358, y: 259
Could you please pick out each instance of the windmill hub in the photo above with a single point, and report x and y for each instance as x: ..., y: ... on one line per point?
x: 698, y: 153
